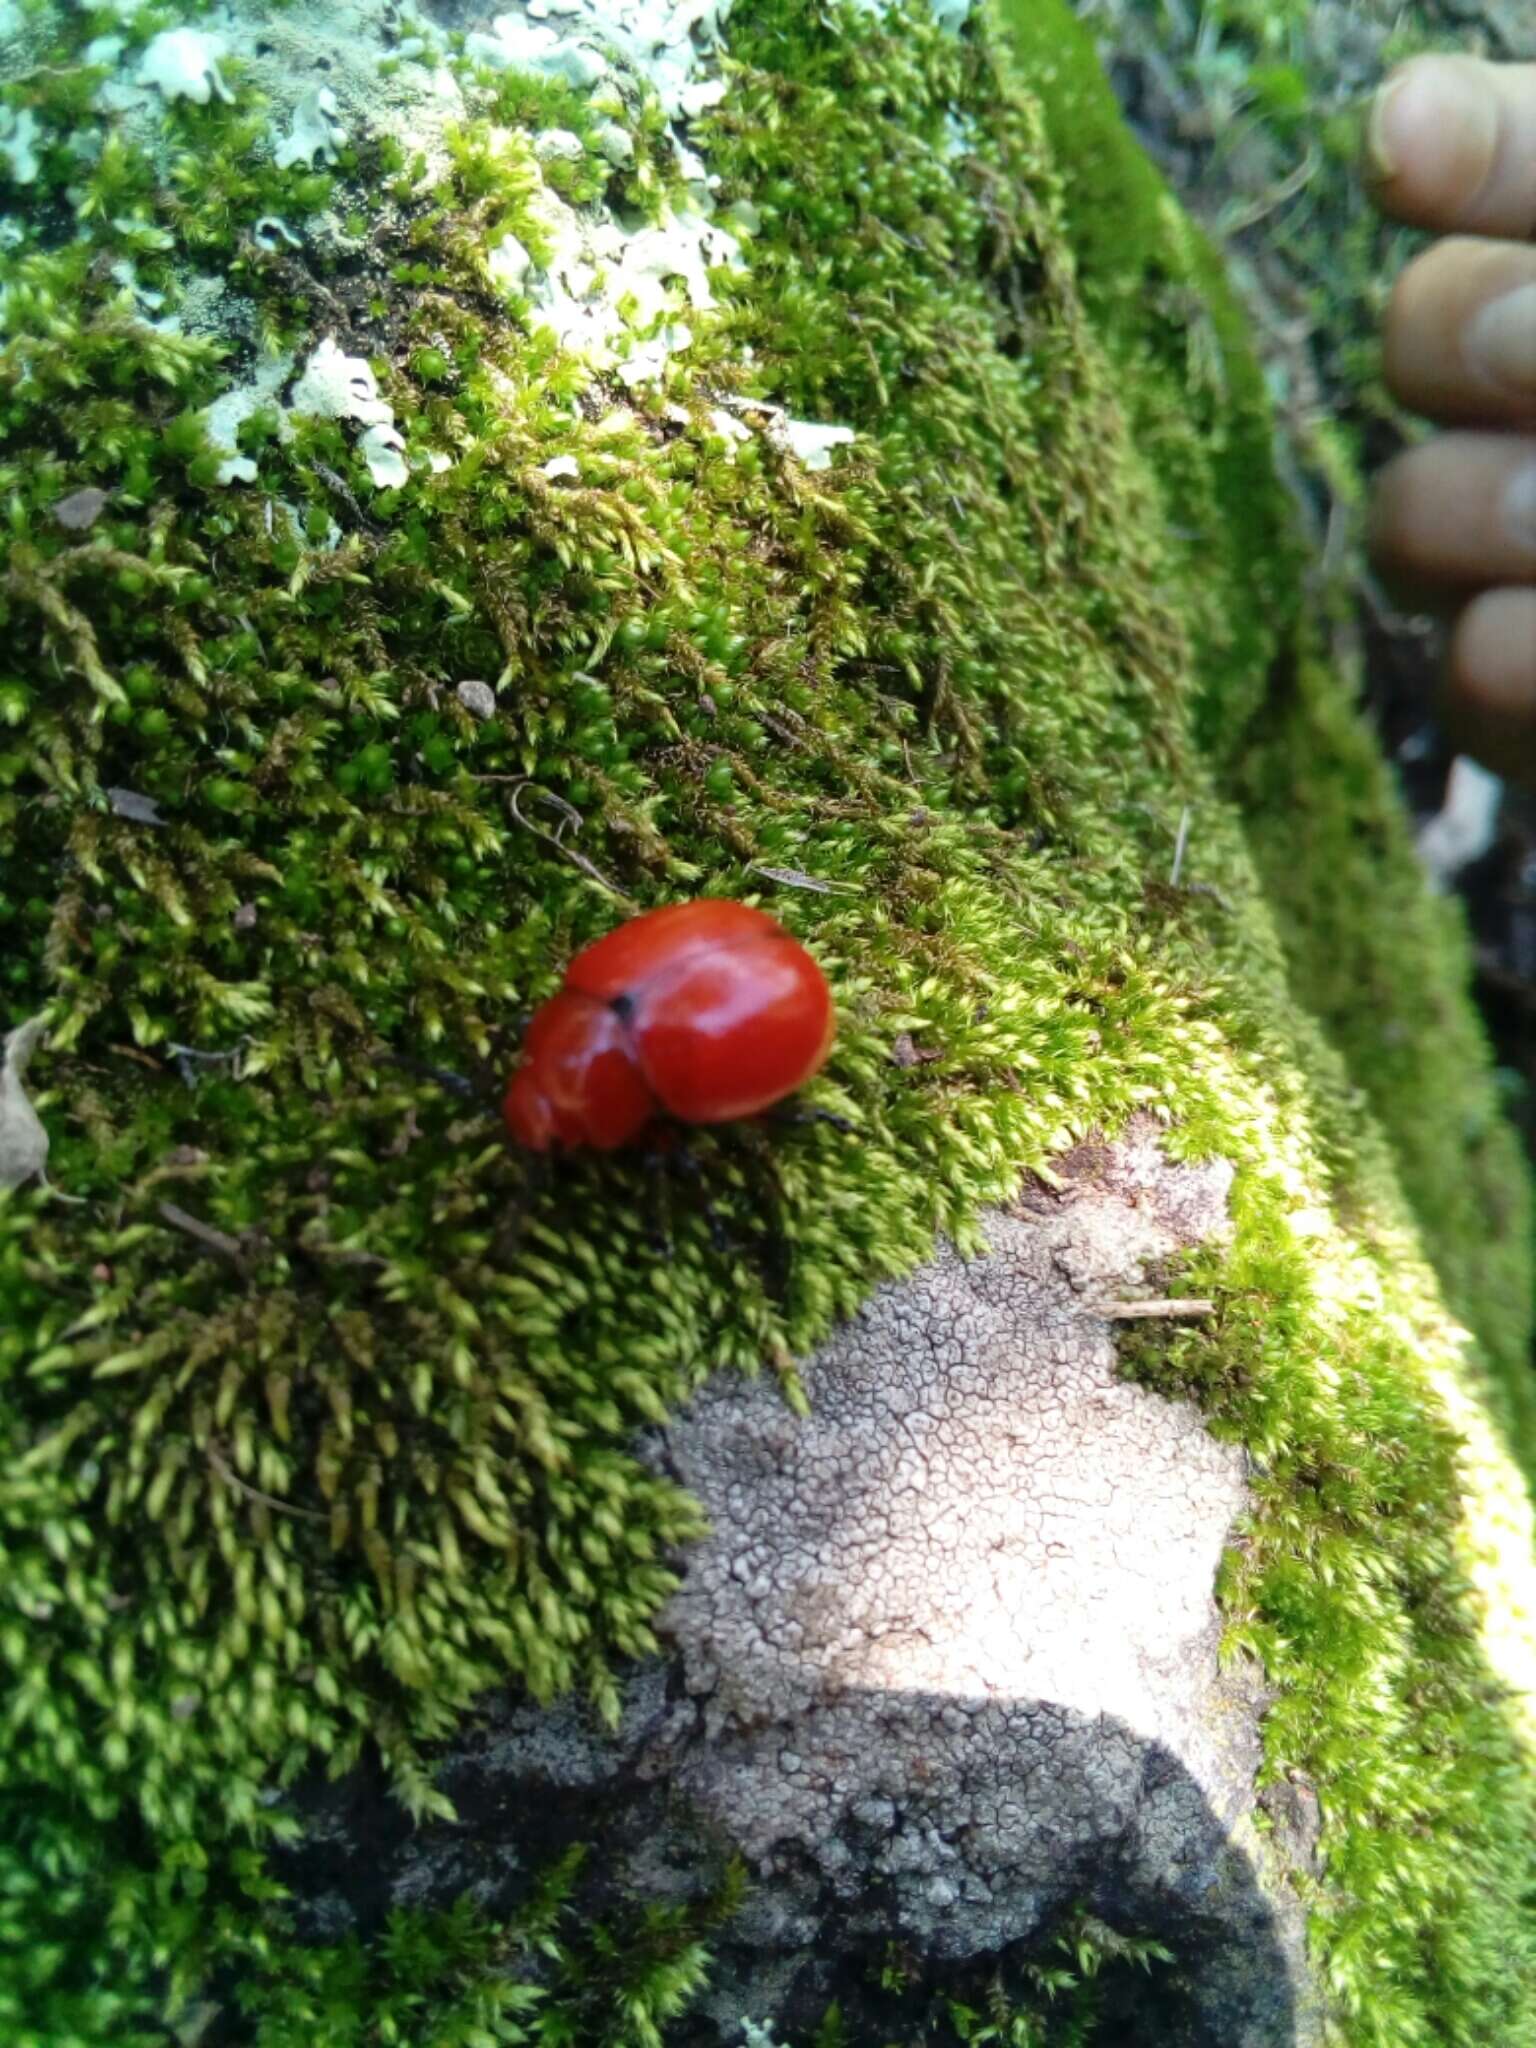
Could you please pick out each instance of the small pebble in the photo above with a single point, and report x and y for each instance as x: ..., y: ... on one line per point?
x: 81, y: 509
x: 553, y: 145
x: 478, y: 699
x: 140, y: 810
x: 614, y: 143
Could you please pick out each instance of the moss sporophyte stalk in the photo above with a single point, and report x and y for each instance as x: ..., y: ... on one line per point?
x: 772, y: 448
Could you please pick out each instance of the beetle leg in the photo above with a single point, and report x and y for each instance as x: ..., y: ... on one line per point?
x: 658, y: 1161
x: 667, y: 1157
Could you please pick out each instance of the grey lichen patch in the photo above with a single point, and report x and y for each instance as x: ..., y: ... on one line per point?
x: 946, y: 1663
x: 353, y: 52
x: 951, y: 1646
x: 976, y: 1505
x: 21, y: 37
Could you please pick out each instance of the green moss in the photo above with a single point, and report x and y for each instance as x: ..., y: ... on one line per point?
x: 1328, y: 834
x: 449, y: 1979
x: 1371, y: 955
x: 1354, y: 1582
x: 315, y: 1414
x: 458, y: 1980
x: 1194, y: 391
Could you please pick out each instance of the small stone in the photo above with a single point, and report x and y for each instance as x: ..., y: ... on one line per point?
x: 245, y: 917
x: 139, y: 810
x: 561, y: 465
x: 558, y: 145
x: 81, y: 509
x: 478, y: 698
x: 614, y: 143
x: 23, y: 1141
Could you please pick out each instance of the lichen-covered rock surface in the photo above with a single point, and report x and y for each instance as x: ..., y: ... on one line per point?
x: 944, y: 1667
x: 471, y: 472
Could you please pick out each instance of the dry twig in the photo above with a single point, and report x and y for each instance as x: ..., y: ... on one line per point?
x: 1156, y: 1311
x: 569, y: 817
x: 216, y: 1240
x: 232, y: 1479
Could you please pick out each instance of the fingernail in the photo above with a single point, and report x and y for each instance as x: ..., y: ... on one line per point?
x: 1501, y: 340
x: 1378, y: 139
x: 1450, y: 110
x: 1520, y: 507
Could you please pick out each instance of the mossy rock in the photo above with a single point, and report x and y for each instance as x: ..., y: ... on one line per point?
x: 389, y: 603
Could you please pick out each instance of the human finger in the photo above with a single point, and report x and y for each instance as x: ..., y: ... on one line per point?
x: 1452, y: 145
x: 1459, y: 510
x: 1460, y: 336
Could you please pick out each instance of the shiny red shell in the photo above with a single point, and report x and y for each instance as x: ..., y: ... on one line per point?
x: 703, y: 1011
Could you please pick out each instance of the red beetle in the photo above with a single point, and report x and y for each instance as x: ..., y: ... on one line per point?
x: 703, y: 1011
